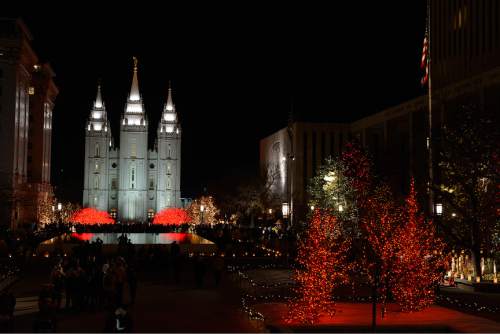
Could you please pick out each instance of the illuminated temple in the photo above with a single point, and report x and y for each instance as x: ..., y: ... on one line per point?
x: 132, y: 181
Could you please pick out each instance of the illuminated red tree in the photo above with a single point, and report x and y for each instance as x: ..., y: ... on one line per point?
x: 321, y: 267
x: 380, y: 224
x: 91, y: 216
x: 419, y: 262
x: 171, y: 216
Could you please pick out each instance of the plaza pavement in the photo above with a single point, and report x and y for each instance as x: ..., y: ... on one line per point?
x: 161, y: 305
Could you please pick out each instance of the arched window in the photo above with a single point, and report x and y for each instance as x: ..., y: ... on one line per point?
x: 168, y: 182
x: 169, y: 151
x: 132, y: 177
x: 97, y: 152
x: 168, y: 169
x: 96, y: 182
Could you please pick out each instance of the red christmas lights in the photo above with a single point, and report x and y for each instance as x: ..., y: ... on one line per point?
x: 419, y: 262
x: 172, y: 216
x: 321, y: 262
x: 91, y: 216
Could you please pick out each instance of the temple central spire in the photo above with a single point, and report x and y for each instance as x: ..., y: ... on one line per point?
x: 134, y: 102
x: 134, y: 90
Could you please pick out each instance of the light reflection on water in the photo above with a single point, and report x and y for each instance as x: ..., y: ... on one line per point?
x: 135, y: 238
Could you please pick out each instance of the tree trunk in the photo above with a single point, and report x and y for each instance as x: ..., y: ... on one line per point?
x: 476, y: 249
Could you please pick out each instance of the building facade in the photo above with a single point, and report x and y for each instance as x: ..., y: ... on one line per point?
x: 27, y: 95
x: 465, y: 68
x: 132, y: 181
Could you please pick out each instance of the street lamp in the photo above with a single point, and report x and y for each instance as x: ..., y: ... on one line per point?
x: 285, y: 209
x: 202, y: 209
x: 439, y: 209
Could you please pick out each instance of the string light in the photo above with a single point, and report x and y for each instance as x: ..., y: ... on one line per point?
x: 171, y: 216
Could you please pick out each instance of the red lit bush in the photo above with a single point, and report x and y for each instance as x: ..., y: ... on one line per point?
x: 171, y: 216
x: 91, y: 216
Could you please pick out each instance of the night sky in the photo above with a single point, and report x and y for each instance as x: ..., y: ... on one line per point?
x: 236, y: 73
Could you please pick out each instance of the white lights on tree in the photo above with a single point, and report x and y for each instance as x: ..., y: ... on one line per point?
x: 330, y: 177
x: 341, y: 208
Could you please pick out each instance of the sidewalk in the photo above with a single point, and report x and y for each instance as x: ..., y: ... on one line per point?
x: 161, y: 306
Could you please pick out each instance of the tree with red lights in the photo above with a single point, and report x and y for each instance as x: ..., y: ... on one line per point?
x: 321, y: 267
x: 380, y: 224
x: 419, y: 261
x: 90, y: 216
x: 171, y: 216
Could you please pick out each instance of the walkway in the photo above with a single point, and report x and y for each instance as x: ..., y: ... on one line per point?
x: 161, y: 306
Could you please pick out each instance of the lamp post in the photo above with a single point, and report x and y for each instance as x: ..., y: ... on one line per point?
x: 202, y: 209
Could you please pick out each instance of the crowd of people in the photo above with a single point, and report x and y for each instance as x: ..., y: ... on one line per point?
x: 89, y: 280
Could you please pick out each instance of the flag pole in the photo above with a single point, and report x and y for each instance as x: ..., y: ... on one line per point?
x: 429, y: 144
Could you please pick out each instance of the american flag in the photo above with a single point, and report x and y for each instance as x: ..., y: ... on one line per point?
x: 424, y: 64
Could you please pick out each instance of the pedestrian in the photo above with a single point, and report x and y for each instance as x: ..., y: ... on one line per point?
x: 57, y: 279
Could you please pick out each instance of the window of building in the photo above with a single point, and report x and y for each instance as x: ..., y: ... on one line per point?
x: 113, y: 184
x: 314, y: 158
x: 97, y: 152
x: 133, y: 150
x: 305, y: 159
x: 132, y: 178
x: 96, y: 182
x: 168, y: 182
x: 341, y: 139
x: 332, y: 144
x: 151, y: 184
x: 97, y: 166
x: 169, y: 153
x: 323, y: 148
x: 168, y: 169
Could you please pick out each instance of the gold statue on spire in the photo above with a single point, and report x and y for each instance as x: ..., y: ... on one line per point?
x: 135, y: 63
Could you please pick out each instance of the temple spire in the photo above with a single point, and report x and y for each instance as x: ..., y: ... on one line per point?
x: 170, y: 105
x: 134, y: 103
x: 98, y: 100
x: 134, y: 90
